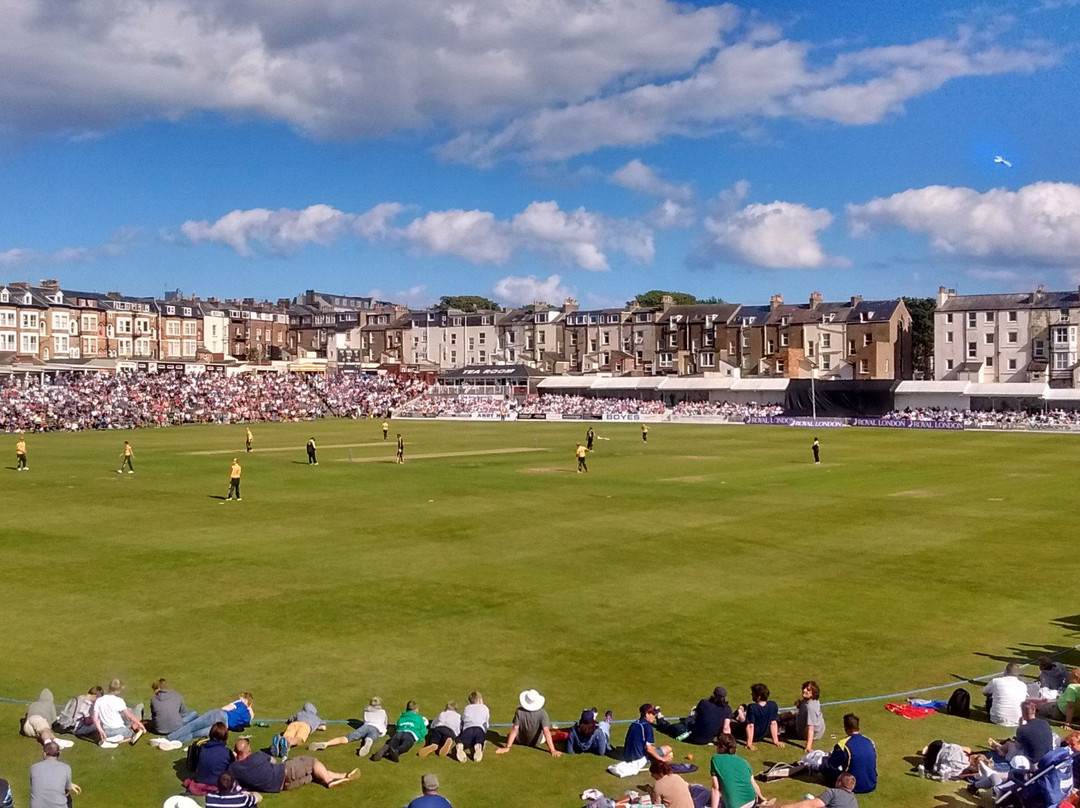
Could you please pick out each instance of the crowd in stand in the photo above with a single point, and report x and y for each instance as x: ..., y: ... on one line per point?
x: 137, y: 399
x: 1007, y: 419
x: 727, y: 409
x: 557, y: 404
x: 432, y: 404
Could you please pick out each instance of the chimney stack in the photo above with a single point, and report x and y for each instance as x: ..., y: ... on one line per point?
x: 775, y: 301
x: 815, y: 299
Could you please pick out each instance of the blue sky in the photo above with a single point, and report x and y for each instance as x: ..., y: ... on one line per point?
x: 531, y: 151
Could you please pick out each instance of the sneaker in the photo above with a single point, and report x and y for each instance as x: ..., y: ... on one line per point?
x: 238, y: 499
x: 63, y: 743
x: 138, y: 734
x: 393, y: 754
x: 365, y: 747
x: 116, y: 739
x: 478, y: 752
x: 444, y: 750
x: 318, y: 746
x: 353, y: 775
x: 119, y: 471
x: 276, y: 744
x: 459, y: 753
x: 427, y: 750
x: 171, y: 746
x: 380, y: 753
x: 157, y: 742
x: 131, y: 471
x: 108, y: 745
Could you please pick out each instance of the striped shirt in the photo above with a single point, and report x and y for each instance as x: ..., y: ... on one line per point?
x: 234, y: 799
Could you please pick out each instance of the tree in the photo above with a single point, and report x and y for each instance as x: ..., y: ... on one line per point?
x: 653, y: 298
x: 712, y: 301
x: 921, y: 310
x: 467, y: 303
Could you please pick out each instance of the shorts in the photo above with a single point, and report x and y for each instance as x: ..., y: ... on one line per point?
x: 300, y: 730
x: 298, y: 772
x: 34, y: 725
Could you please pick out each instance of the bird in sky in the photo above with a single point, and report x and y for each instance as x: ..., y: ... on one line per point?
x: 999, y: 159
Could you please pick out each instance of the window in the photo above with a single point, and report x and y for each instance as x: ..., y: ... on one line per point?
x: 483, y: 357
x: 7, y: 341
x: 867, y: 339
x: 972, y: 319
x: 453, y: 357
x: 605, y: 358
x: 785, y: 340
x: 948, y: 336
x: 826, y: 362
x: 1012, y: 317
x: 948, y: 364
x: 948, y: 318
x: 29, y: 343
x: 826, y: 340
x: 172, y: 328
x: 1012, y: 337
x: 989, y: 361
x: 172, y: 347
x: 605, y: 338
x: 988, y: 338
x: 472, y: 343
x: 453, y: 339
x: 482, y: 338
x: 1012, y: 364
x: 746, y: 340
x: 810, y: 349
x: 851, y: 347
x: 142, y: 326
x: 673, y: 340
x: 771, y: 347
x: 665, y: 360
x: 780, y: 366
x: 989, y: 316
x: 91, y: 346
x: 8, y: 319
x: 28, y: 320
x: 190, y: 329
x: 864, y: 366
x: 1062, y: 361
x: 573, y: 339
x: 708, y: 359
x: 541, y: 338
x: 1038, y: 348
x: 973, y: 350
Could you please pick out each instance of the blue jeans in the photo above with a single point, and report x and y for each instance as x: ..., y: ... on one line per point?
x: 364, y: 732
x: 200, y: 727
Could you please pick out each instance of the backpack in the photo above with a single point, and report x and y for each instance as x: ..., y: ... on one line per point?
x: 193, y: 753
x: 959, y: 703
x: 65, y: 719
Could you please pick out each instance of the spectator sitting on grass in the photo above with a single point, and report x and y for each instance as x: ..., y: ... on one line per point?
x: 640, y: 746
x: 759, y: 718
x: 531, y: 723
x: 228, y: 795
x: 115, y: 723
x: 1006, y: 693
x: 215, y: 757
x: 711, y: 717
x: 475, y: 721
x: 372, y: 728
x: 806, y: 719
x: 408, y: 729
x: 257, y: 771
x: 588, y: 735
x: 297, y: 730
x: 39, y: 719
x: 733, y: 784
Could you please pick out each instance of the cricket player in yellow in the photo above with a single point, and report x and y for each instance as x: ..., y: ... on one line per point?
x: 20, y: 454
x: 234, y: 481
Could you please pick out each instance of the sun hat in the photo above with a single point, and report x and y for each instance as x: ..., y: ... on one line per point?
x: 180, y: 801
x: 531, y: 700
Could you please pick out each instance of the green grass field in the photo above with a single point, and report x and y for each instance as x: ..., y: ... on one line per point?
x: 712, y: 555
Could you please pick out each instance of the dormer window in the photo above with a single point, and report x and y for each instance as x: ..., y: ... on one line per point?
x: 785, y: 320
x: 26, y: 300
x: 4, y: 296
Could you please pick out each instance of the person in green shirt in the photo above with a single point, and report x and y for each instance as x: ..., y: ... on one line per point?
x: 410, y: 728
x: 732, y: 777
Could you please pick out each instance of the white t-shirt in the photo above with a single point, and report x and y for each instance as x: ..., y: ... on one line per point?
x: 109, y: 710
x: 376, y: 717
x: 1008, y: 693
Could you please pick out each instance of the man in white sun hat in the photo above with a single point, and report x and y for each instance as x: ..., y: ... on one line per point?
x: 531, y: 723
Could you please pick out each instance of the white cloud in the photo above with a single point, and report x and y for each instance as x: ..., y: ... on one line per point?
x: 520, y: 291
x: 579, y: 237
x: 16, y: 257
x: 671, y: 214
x: 120, y: 242
x: 778, y: 235
x: 281, y: 231
x: 328, y: 67
x: 474, y: 235
x: 1038, y: 223
x: 637, y: 176
x: 741, y: 84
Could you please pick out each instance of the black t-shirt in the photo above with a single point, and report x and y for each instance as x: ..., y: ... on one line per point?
x: 258, y: 772
x: 1036, y: 739
x: 708, y: 721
